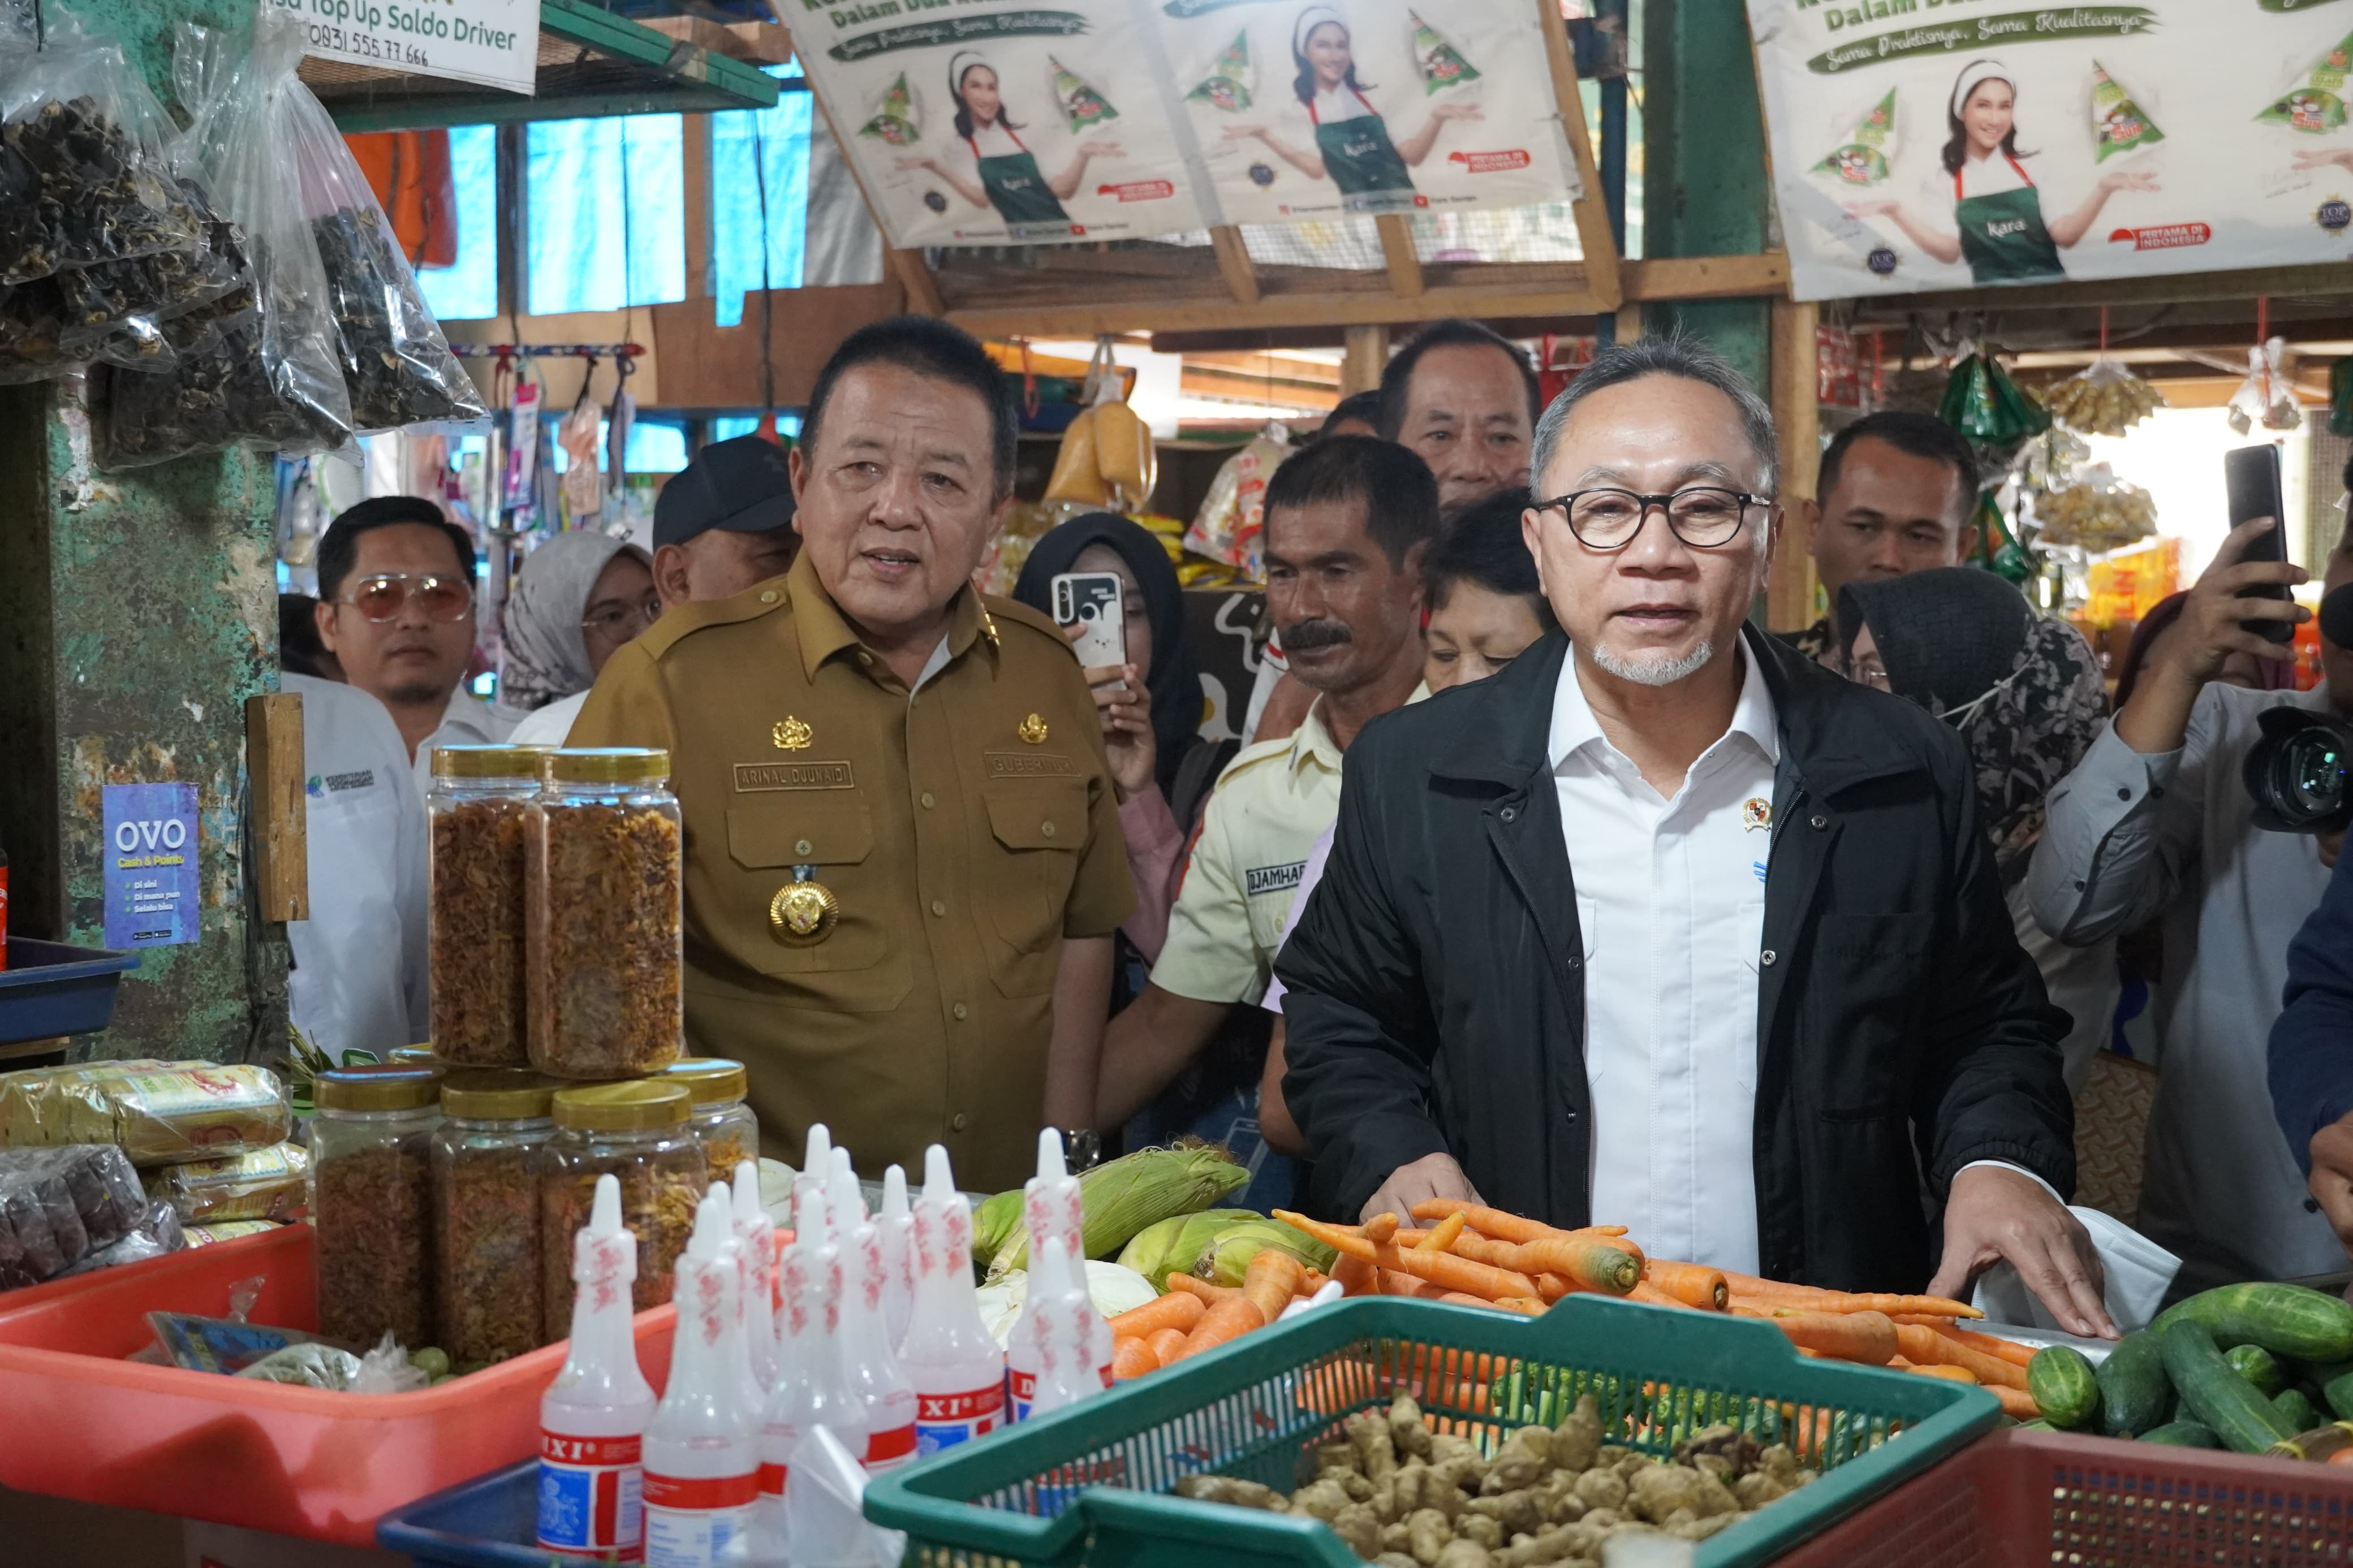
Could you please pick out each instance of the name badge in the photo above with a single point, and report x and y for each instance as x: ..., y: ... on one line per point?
x: 751, y: 778
x: 1027, y: 766
x: 1260, y: 879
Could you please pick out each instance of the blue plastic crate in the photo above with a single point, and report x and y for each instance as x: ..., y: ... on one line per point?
x: 491, y: 1521
x: 51, y: 989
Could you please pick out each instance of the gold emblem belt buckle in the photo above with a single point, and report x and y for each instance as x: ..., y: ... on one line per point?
x: 804, y: 911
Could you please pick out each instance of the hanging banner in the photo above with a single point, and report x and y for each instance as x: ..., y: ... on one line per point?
x: 1929, y: 144
x: 1305, y: 110
x: 998, y: 123
x: 492, y: 42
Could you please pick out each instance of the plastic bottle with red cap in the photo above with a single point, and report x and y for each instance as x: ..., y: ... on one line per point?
x: 592, y: 1420
x: 702, y: 1467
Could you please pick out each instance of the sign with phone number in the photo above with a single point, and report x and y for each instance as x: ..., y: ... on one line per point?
x: 492, y: 42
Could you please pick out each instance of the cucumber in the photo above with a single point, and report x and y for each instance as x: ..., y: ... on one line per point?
x: 2062, y: 1383
x: 2037, y: 1425
x: 2214, y: 1393
x: 2296, y: 1410
x: 2285, y: 1320
x: 2335, y: 1381
x: 2183, y: 1435
x: 2135, y: 1397
x: 2260, y: 1367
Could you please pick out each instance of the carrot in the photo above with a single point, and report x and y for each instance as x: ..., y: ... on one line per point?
x: 1357, y: 1276
x: 1552, y: 1287
x: 1526, y: 1306
x: 1443, y: 1269
x: 1131, y: 1357
x: 1395, y: 1284
x: 1381, y: 1228
x: 1442, y: 1239
x: 1209, y: 1295
x: 1310, y: 1281
x: 1483, y: 1250
x: 2016, y: 1402
x: 1865, y: 1337
x: 1177, y: 1309
x: 1461, y: 1298
x: 1692, y: 1284
x: 1644, y: 1290
x: 1927, y: 1347
x: 1226, y: 1321
x: 1595, y: 1265
x: 1814, y: 1298
x: 1950, y: 1373
x: 1164, y: 1343
x: 1271, y: 1280
x: 2017, y: 1355
x: 1503, y: 1226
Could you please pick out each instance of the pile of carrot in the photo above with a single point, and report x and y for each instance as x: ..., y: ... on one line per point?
x: 1196, y: 1316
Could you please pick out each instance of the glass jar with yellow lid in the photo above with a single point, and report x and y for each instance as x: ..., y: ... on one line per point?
x: 605, y: 874
x: 486, y: 1274
x: 478, y: 809
x: 723, y: 1122
x: 372, y: 1200
x: 637, y: 1132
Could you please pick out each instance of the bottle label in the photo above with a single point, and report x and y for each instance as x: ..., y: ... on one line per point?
x: 944, y: 1420
x: 1020, y: 1393
x: 690, y: 1519
x: 889, y: 1450
x: 589, y: 1496
x: 771, y: 1479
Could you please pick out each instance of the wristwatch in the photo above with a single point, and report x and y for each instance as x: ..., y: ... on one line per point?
x: 1081, y: 1148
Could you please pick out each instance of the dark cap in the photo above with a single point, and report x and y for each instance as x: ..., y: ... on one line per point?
x: 739, y: 484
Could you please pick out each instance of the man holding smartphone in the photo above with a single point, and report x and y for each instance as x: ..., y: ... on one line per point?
x: 2155, y: 823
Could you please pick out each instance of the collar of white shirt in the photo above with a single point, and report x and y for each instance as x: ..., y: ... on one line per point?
x: 1576, y: 731
x: 1312, y: 741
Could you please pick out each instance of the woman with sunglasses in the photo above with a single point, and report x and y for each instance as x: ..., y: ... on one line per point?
x: 577, y: 598
x: 2025, y: 691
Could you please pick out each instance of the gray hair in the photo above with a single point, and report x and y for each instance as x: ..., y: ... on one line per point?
x: 1674, y: 355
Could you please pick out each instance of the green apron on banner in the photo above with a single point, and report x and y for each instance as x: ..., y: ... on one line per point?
x: 2003, y: 238
x: 1017, y: 189
x: 1359, y: 155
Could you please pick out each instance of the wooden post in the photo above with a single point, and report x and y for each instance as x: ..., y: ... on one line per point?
x: 1365, y: 356
x: 1396, y: 251
x: 696, y: 174
x: 1234, y: 264
x: 1594, y: 239
x: 1796, y: 416
x: 279, y: 820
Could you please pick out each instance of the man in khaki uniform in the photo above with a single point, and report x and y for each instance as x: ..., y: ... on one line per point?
x: 903, y: 863
x: 1348, y: 523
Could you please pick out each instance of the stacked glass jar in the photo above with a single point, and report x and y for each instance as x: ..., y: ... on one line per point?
x: 486, y: 1253
x: 724, y: 1124
x: 480, y: 808
x: 372, y: 1199
x: 638, y: 1132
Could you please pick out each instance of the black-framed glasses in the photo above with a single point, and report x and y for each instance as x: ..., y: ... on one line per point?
x: 1704, y: 517
x: 382, y: 596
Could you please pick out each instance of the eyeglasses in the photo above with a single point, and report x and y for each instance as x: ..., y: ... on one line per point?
x: 383, y: 596
x: 1702, y: 517
x: 623, y: 621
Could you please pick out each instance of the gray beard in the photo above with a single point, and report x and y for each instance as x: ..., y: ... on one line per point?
x: 1653, y: 671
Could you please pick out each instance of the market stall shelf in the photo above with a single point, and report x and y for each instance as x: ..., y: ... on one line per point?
x: 49, y: 989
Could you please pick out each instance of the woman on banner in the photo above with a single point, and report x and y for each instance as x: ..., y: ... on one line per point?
x: 1998, y: 224
x: 1353, y: 149
x: 992, y: 167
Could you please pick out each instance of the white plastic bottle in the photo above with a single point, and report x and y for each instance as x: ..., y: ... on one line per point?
x: 949, y: 1357
x: 702, y: 1468
x: 868, y: 1365
x: 1060, y: 1308
x: 897, y: 1224
x: 810, y: 1391
x: 757, y: 1232
x: 593, y: 1418
x: 1051, y: 1206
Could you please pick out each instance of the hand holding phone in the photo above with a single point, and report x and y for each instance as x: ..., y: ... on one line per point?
x: 1094, y: 601
x: 2251, y: 477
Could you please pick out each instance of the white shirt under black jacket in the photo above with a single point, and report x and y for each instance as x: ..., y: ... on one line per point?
x: 1671, y: 906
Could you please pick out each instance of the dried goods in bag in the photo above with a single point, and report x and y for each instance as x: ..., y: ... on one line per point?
x: 159, y: 1112
x: 59, y: 1207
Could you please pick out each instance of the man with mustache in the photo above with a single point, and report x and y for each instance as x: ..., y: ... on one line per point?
x: 1348, y: 523
x: 1665, y: 925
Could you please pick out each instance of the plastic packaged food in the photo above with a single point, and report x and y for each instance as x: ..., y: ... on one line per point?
x: 1083, y: 106
x: 57, y: 1206
x: 479, y: 806
x: 270, y: 1184
x: 1443, y: 65
x: 159, y: 1112
x: 486, y: 1274
x: 372, y: 1200
x: 636, y: 1132
x: 2317, y: 106
x: 227, y: 1230
x: 2118, y: 125
x: 605, y: 916
x: 397, y: 363
x: 1231, y: 522
x: 722, y: 1123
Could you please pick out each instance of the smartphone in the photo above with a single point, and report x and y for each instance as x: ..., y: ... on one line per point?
x: 1093, y: 600
x: 2251, y: 477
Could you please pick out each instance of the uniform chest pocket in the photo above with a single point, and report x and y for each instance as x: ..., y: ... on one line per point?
x: 1040, y: 826
x: 836, y: 837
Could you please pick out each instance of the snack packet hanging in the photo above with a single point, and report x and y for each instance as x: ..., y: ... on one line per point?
x: 264, y: 375
x: 84, y: 178
x: 2317, y: 107
x: 1443, y: 65
x: 1230, y: 525
x: 2117, y: 124
x: 1227, y: 85
x: 1082, y: 107
x: 894, y: 122
x: 1862, y: 159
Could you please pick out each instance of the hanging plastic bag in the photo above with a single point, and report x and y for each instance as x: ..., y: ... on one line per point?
x: 1232, y: 519
x: 2266, y: 396
x: 2105, y: 400
x: 1982, y: 403
x: 259, y: 369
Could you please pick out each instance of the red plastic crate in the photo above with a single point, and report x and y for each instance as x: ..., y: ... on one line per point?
x: 78, y: 1421
x: 2037, y: 1497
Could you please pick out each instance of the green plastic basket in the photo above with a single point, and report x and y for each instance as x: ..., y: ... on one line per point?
x: 1089, y: 1485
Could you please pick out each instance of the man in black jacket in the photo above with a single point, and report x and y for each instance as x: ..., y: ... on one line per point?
x: 1779, y: 989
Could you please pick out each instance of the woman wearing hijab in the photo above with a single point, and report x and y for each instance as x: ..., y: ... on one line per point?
x: 992, y: 166
x: 2025, y: 690
x: 1998, y: 223
x: 577, y: 599
x: 1353, y: 148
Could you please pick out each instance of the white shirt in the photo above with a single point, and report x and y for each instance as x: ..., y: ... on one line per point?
x: 548, y: 726
x: 1671, y: 902
x: 466, y: 722
x: 360, y: 962
x: 1988, y: 176
x: 1339, y: 103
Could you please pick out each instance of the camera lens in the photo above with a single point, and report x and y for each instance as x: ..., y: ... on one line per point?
x: 2295, y: 773
x: 2312, y: 769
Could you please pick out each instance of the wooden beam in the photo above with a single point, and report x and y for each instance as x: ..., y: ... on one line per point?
x: 1706, y: 277
x: 1234, y: 264
x: 1397, y: 253
x: 2188, y: 288
x: 1365, y: 356
x: 1796, y: 418
x: 1081, y: 318
x: 1592, y: 214
x: 273, y: 760
x: 695, y: 174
